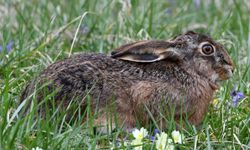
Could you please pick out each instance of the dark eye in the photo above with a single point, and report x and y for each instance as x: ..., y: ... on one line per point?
x: 207, y: 49
x: 179, y: 40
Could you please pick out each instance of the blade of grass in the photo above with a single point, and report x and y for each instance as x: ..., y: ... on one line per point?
x: 77, y: 30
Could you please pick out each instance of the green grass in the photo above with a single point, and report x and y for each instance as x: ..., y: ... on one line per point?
x: 46, y: 31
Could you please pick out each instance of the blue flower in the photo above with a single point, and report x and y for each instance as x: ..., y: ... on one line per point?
x: 156, y: 131
x: 8, y: 46
x: 236, y: 96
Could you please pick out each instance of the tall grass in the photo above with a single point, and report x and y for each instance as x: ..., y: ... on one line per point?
x: 46, y: 31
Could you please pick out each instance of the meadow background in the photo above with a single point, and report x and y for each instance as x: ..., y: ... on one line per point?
x: 36, y: 33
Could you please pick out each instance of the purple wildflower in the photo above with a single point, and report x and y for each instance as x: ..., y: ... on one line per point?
x: 84, y: 29
x: 197, y: 3
x: 172, y: 4
x: 169, y: 11
x: 8, y: 46
x: 236, y: 96
x: 156, y: 131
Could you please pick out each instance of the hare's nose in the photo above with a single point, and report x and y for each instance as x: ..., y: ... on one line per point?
x: 231, y: 68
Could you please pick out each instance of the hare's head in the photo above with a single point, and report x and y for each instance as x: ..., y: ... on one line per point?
x: 193, y: 51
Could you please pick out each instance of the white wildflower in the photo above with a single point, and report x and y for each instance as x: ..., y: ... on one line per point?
x: 177, y: 137
x: 140, y: 134
x: 163, y: 142
x: 37, y: 148
x: 137, y: 143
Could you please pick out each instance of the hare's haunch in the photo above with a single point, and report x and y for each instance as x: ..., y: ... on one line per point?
x: 180, y: 74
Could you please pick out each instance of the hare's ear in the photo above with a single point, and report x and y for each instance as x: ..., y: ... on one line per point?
x: 147, y: 51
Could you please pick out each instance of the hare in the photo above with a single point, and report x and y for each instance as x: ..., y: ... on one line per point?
x: 181, y: 74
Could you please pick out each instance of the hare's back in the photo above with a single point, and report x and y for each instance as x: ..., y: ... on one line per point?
x: 76, y: 61
x: 83, y: 72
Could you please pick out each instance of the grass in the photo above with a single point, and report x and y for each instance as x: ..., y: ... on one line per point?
x: 46, y: 31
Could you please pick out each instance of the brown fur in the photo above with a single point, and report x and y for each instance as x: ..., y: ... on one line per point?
x: 178, y: 76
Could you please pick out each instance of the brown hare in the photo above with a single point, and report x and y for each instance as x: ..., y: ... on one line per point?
x: 180, y: 74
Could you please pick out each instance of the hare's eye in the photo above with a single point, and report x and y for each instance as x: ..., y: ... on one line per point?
x: 179, y: 40
x: 207, y: 49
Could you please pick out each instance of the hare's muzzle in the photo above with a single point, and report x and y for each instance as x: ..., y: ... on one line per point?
x: 226, y: 72
x: 230, y: 70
